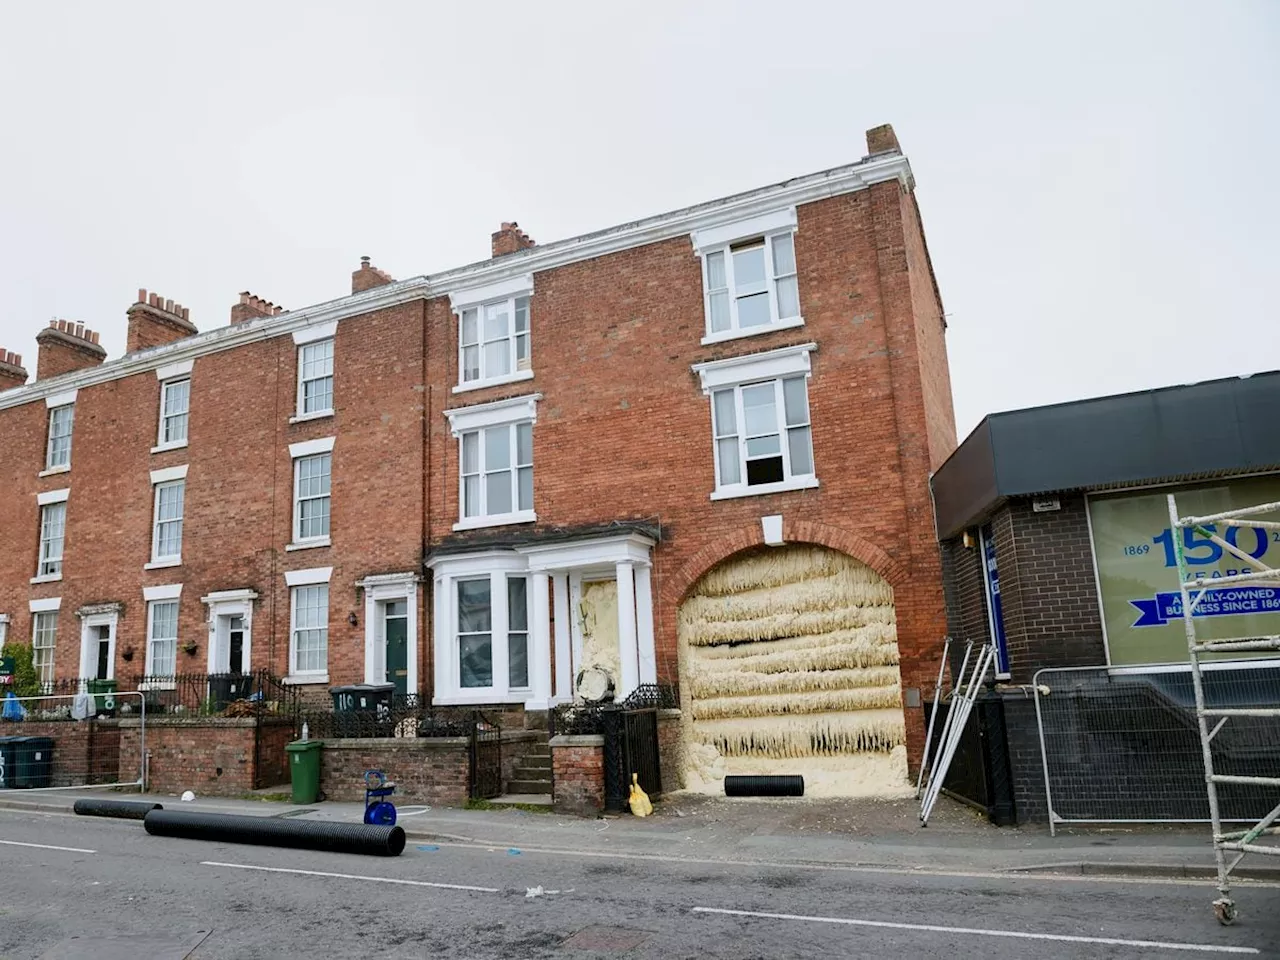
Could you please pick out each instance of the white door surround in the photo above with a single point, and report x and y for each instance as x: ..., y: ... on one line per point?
x: 556, y: 573
x: 92, y: 618
x: 377, y: 590
x: 223, y: 605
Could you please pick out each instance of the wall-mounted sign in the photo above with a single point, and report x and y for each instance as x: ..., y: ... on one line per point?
x: 6, y: 671
x: 1046, y: 505
x: 995, y: 613
x: 1138, y: 576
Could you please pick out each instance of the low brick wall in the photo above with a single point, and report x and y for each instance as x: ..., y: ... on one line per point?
x: 208, y: 755
x: 670, y: 750
x: 427, y: 770
x: 273, y: 762
x: 577, y: 766
x: 84, y: 751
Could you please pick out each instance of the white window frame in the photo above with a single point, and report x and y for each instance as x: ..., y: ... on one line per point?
x: 63, y: 404
x: 506, y: 292
x: 4, y: 630
x: 162, y: 480
x: 303, y: 579
x: 50, y: 498
x: 165, y: 386
x: 307, y: 340
x: 738, y: 372
x: 721, y: 240
x: 223, y: 606
x: 496, y: 566
x: 154, y: 597
x: 37, y: 616
x: 297, y: 453
x: 475, y: 419
x: 102, y: 615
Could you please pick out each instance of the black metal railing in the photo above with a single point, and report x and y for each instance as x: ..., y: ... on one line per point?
x: 578, y: 719
x: 403, y: 716
x: 246, y: 695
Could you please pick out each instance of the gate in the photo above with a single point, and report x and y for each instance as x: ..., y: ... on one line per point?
x: 630, y: 747
x: 1122, y: 745
x: 485, y: 767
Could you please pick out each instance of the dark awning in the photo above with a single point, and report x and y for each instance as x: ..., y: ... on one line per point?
x: 1215, y: 428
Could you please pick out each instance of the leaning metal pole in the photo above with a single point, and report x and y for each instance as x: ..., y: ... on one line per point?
x: 937, y: 694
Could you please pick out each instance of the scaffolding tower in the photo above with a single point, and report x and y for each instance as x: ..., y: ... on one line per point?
x: 1194, y: 587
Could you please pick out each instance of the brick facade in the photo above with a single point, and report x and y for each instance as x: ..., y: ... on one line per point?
x: 84, y: 752
x: 212, y: 757
x: 622, y: 433
x: 577, y: 773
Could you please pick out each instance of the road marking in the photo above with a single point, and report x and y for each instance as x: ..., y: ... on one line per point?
x: 46, y: 846
x: 350, y: 876
x: 464, y: 843
x: 978, y: 931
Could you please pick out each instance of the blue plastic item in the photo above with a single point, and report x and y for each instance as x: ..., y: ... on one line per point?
x: 377, y: 809
x: 13, y: 710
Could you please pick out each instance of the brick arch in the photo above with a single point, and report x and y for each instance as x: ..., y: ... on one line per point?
x: 822, y: 534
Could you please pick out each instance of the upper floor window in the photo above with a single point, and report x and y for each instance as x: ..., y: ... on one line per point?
x: 58, y: 452
x: 53, y: 527
x: 312, y: 485
x: 495, y: 442
x: 166, y: 525
x: 315, y: 378
x: 749, y: 276
x: 495, y: 340
x: 760, y: 422
x: 494, y: 333
x: 175, y: 408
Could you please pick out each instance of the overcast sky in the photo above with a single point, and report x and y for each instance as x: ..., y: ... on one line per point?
x: 1098, y: 180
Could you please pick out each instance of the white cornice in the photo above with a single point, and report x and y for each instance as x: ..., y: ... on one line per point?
x: 677, y: 223
x: 782, y: 362
x: 513, y: 410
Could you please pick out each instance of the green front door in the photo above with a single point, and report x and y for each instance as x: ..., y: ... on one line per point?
x: 396, y: 630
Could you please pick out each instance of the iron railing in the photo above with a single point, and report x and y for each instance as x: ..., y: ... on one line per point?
x: 403, y: 716
x: 246, y: 695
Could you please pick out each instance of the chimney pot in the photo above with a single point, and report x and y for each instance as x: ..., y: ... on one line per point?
x: 882, y: 139
x: 142, y: 295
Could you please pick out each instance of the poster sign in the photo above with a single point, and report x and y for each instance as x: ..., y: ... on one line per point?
x: 1138, y: 575
x: 995, y: 613
x: 6, y: 671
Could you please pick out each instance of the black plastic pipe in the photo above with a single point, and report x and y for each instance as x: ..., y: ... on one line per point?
x: 779, y: 785
x: 372, y: 839
x: 123, y: 809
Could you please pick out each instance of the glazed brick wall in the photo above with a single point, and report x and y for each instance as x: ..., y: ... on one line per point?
x: 212, y: 757
x: 85, y: 751
x: 429, y: 770
x: 577, y: 772
x: 239, y: 489
x: 966, y: 598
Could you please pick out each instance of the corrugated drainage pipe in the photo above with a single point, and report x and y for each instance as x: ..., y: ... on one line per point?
x: 780, y: 785
x: 375, y: 840
x: 123, y: 809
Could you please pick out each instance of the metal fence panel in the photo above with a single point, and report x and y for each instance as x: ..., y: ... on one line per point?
x: 1122, y: 745
x: 71, y: 740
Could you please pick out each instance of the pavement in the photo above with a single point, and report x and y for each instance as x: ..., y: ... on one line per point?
x: 860, y: 833
x: 726, y: 880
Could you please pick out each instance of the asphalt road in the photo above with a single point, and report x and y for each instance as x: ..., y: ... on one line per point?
x: 113, y: 891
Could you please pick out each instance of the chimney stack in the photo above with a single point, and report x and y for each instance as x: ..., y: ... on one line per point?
x: 12, y: 372
x: 154, y: 321
x: 251, y: 307
x: 64, y: 346
x: 510, y: 239
x: 368, y: 277
x: 882, y: 139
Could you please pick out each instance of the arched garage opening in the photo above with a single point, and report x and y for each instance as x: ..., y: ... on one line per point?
x: 789, y: 663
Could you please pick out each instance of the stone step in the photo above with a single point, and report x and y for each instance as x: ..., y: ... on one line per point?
x: 527, y: 799
x: 530, y: 773
x: 538, y: 750
x: 528, y: 786
x: 533, y: 761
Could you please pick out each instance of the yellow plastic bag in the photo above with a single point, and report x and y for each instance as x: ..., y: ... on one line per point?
x: 639, y: 802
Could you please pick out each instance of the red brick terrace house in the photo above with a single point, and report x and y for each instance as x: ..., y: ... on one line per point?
x: 646, y: 450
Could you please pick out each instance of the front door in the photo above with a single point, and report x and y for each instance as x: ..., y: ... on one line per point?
x: 103, y: 651
x: 235, y: 645
x: 395, y: 629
